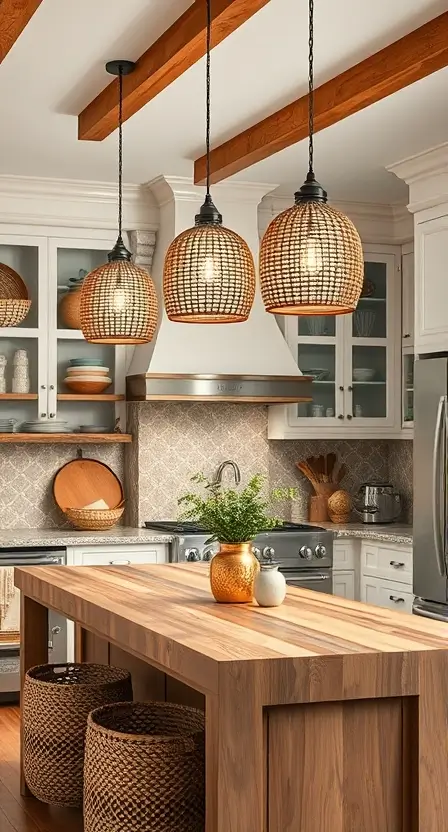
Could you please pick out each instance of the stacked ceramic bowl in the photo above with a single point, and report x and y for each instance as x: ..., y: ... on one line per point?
x: 87, y: 376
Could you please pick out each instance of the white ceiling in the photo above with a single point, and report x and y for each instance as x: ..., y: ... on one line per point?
x: 57, y: 66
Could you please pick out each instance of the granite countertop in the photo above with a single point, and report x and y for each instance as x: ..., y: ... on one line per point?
x: 15, y: 538
x: 390, y: 533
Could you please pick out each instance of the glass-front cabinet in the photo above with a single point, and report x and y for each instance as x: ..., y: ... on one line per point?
x: 38, y: 357
x: 354, y: 360
x: 408, y: 388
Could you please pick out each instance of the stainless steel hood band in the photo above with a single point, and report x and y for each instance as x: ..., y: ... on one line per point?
x: 223, y: 388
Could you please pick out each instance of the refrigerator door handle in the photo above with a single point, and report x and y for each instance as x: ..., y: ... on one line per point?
x: 436, y: 502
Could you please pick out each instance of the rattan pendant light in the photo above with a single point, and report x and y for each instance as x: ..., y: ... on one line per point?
x: 209, y: 272
x: 311, y: 260
x: 118, y: 300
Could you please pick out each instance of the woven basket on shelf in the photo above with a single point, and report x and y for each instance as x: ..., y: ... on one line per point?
x: 92, y: 519
x: 69, y: 309
x: 13, y: 312
x: 144, y: 769
x: 12, y: 286
x: 57, y: 700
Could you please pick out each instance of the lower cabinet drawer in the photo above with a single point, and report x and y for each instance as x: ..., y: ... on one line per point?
x: 120, y: 558
x: 386, y: 561
x: 390, y: 594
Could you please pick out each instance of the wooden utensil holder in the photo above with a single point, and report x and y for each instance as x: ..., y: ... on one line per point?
x: 318, y: 508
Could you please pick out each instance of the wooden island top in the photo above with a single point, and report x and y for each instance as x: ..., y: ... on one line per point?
x: 347, y: 701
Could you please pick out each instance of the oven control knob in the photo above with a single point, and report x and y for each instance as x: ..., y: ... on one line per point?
x: 306, y: 553
x: 257, y: 552
x: 268, y: 553
x: 320, y: 550
x: 192, y: 555
x: 207, y: 555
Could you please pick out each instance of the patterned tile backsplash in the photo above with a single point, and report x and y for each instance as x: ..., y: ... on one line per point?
x: 172, y: 441
x: 26, y: 476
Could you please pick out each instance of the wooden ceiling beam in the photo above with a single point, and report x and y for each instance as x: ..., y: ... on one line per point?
x: 409, y: 59
x: 14, y: 16
x: 181, y: 46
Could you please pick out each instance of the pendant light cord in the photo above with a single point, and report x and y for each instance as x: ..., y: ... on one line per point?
x: 311, y: 88
x: 120, y: 153
x: 207, y: 85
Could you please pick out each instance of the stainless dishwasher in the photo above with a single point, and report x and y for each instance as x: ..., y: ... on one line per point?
x: 10, y: 638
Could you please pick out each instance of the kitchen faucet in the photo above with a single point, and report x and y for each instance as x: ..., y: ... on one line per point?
x: 219, y: 473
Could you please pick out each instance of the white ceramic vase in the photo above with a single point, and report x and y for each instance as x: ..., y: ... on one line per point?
x: 269, y: 586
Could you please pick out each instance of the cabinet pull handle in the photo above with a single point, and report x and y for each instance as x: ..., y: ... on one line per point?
x: 350, y: 388
x: 396, y: 599
x: 341, y: 416
x: 397, y: 564
x: 341, y: 388
x: 408, y: 335
x: 43, y: 386
x: 51, y: 386
x: 43, y: 415
x: 119, y: 563
x: 349, y: 416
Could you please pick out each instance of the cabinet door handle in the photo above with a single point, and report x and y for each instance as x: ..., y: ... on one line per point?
x: 119, y: 563
x: 408, y: 335
x: 349, y: 416
x: 43, y: 386
x: 341, y: 416
x: 51, y: 386
x: 341, y: 388
x: 350, y: 388
x: 43, y: 415
x: 397, y: 564
x: 52, y: 415
x: 396, y: 599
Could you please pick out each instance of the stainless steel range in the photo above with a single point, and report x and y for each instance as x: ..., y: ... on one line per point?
x: 305, y: 553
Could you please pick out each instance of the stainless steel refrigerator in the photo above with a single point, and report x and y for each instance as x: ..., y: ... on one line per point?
x: 431, y: 487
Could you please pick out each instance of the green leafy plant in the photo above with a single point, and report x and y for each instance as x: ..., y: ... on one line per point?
x: 230, y: 515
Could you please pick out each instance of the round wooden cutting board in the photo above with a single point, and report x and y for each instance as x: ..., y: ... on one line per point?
x: 83, y: 481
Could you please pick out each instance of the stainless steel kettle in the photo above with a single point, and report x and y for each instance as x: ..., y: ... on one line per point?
x: 378, y: 502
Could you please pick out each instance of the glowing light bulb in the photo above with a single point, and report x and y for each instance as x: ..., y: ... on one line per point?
x: 119, y: 300
x: 208, y: 273
x: 311, y: 258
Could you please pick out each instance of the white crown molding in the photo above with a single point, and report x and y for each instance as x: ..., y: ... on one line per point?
x: 427, y: 176
x: 142, y: 245
x: 376, y: 223
x: 74, y: 203
x: 165, y: 189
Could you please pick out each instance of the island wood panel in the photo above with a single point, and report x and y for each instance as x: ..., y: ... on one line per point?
x: 353, y: 764
x: 353, y: 673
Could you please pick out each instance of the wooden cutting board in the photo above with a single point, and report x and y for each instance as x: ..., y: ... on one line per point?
x: 83, y: 481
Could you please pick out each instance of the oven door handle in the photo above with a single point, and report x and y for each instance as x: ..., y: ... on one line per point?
x: 307, y: 579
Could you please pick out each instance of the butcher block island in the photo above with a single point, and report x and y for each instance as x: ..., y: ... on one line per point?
x: 322, y: 715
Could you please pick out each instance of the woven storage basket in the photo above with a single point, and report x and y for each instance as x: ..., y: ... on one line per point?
x: 69, y: 309
x: 12, y: 286
x: 56, y: 702
x: 13, y: 312
x: 144, y: 769
x: 92, y: 519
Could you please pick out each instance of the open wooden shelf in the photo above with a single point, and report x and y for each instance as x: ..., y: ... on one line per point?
x: 17, y: 397
x: 82, y: 397
x: 65, y: 438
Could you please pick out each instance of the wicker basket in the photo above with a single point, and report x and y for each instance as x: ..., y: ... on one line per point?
x: 91, y: 519
x: 144, y: 769
x: 13, y: 312
x: 11, y: 284
x: 56, y: 702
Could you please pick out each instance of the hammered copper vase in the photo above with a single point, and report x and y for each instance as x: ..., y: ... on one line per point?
x: 232, y: 573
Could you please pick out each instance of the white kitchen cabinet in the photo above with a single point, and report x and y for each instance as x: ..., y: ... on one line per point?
x: 44, y: 263
x: 408, y: 290
x: 119, y: 555
x: 383, y: 593
x: 359, y: 360
x: 431, y: 285
x: 344, y: 583
x: 391, y: 561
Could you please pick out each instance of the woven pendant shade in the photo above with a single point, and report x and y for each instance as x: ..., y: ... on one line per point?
x: 118, y: 304
x: 209, y: 277
x: 311, y: 262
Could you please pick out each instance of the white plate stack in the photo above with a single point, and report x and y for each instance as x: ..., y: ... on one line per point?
x: 8, y: 425
x: 21, y: 377
x: 38, y: 426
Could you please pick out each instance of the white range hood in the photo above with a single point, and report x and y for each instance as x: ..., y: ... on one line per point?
x: 249, y: 361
